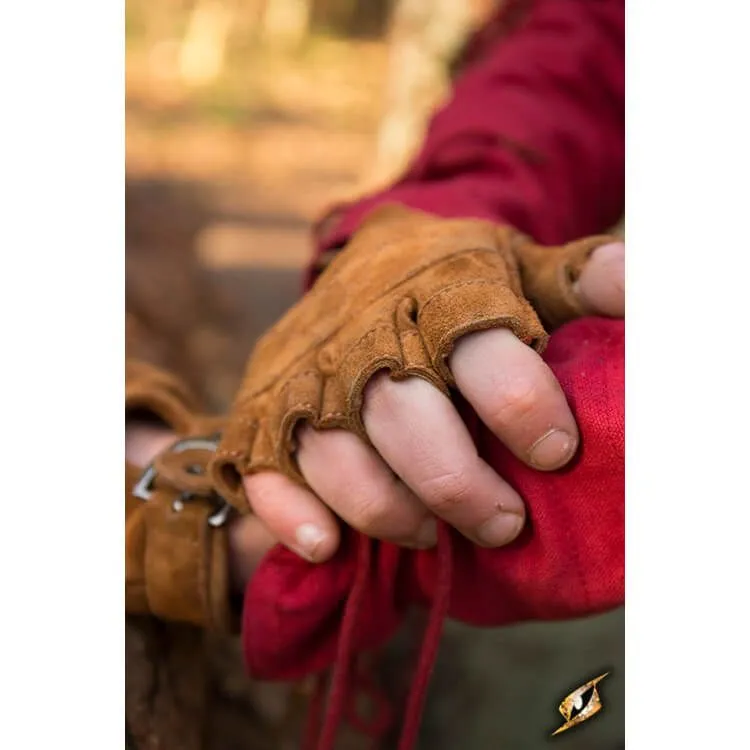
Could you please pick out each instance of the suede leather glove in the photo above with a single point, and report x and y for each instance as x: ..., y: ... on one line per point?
x: 175, y: 541
x: 398, y: 297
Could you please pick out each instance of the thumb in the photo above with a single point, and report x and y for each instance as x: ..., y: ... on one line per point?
x: 601, y: 285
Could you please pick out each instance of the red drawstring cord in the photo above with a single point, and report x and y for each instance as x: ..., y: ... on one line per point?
x: 340, y: 678
x: 431, y: 641
x: 337, y: 697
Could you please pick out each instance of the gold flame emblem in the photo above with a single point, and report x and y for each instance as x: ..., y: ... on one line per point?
x: 580, y: 705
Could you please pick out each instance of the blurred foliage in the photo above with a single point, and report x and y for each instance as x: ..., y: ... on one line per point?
x: 371, y: 67
x: 251, y: 71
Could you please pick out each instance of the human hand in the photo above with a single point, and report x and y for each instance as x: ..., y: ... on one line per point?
x: 419, y: 461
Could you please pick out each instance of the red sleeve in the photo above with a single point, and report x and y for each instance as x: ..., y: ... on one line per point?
x: 568, y: 562
x: 534, y: 135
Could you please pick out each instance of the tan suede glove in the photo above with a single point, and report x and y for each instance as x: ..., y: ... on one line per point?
x: 405, y: 288
x: 176, y: 558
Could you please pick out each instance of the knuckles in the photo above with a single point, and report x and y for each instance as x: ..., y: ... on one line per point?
x: 447, y: 490
x: 519, y: 399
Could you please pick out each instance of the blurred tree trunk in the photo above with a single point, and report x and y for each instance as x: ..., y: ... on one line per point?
x: 204, y: 46
x: 424, y: 37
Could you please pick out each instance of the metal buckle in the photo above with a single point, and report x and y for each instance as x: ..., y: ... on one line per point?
x: 144, y: 487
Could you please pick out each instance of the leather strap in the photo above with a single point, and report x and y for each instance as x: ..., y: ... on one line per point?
x: 176, y: 544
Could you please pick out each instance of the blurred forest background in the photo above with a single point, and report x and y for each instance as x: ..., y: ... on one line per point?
x: 246, y: 119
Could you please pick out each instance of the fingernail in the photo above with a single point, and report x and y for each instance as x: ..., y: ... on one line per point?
x: 499, y: 530
x: 309, y: 537
x: 427, y: 534
x: 552, y: 450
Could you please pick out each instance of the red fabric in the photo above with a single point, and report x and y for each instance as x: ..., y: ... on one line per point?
x: 534, y: 136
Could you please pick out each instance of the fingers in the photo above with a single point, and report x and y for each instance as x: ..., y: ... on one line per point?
x: 358, y: 486
x: 419, y: 434
x: 517, y: 396
x: 601, y: 285
x: 293, y: 515
x: 512, y: 389
x: 353, y: 482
